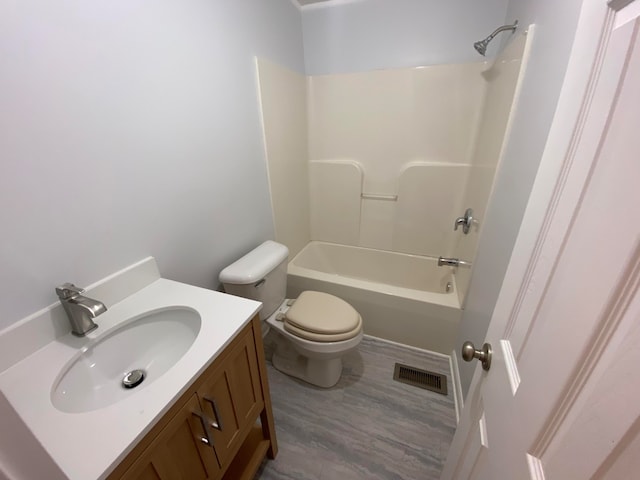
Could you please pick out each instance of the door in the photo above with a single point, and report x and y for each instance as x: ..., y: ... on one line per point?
x: 560, y: 398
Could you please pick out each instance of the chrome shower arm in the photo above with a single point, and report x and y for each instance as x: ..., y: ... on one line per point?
x: 503, y: 28
x: 481, y: 46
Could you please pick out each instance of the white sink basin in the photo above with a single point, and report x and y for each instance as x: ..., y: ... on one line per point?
x: 152, y: 342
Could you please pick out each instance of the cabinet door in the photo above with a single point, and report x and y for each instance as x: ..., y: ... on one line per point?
x: 179, y: 452
x: 232, y: 398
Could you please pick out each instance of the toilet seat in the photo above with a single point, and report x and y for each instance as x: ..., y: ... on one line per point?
x: 322, y: 317
x: 320, y: 337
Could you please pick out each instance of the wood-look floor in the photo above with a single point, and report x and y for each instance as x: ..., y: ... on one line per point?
x: 366, y: 427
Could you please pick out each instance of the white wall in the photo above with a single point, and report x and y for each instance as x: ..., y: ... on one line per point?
x: 361, y: 35
x: 555, y: 28
x: 129, y: 129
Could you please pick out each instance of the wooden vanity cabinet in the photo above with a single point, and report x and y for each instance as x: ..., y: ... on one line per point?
x: 177, y: 451
x: 212, y: 431
x: 232, y: 398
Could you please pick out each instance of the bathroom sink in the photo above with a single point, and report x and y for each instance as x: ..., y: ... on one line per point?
x: 147, y: 345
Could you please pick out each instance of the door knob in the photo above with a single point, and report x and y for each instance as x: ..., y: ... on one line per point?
x: 469, y: 352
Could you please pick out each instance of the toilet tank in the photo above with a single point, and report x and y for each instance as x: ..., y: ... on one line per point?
x: 260, y: 275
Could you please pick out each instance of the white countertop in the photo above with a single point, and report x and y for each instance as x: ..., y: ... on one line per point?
x: 89, y: 445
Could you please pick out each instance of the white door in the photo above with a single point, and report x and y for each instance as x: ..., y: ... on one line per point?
x: 562, y: 397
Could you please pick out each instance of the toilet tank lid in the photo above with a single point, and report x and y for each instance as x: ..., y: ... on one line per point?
x: 256, y: 264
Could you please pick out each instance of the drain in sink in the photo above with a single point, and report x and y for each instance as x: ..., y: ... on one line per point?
x: 133, y: 378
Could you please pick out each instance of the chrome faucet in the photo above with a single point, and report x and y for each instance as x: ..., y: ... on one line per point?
x: 80, y: 310
x: 452, y: 262
x: 466, y: 221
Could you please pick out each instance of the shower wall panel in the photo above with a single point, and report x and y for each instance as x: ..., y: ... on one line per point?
x: 335, y: 189
x: 283, y: 99
x: 502, y: 77
x: 394, y: 124
x: 429, y: 198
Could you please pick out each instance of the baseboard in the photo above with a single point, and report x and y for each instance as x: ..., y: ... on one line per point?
x: 409, y: 347
x: 457, y: 386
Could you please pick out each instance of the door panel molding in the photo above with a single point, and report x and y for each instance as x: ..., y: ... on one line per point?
x: 627, y: 288
x: 557, y: 217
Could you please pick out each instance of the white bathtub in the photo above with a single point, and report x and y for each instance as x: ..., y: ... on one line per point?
x: 403, y: 298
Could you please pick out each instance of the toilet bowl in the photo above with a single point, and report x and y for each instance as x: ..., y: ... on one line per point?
x: 317, y: 361
x: 313, y: 332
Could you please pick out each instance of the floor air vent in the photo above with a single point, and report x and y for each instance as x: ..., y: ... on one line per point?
x: 435, y: 382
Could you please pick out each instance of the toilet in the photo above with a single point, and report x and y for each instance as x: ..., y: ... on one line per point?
x: 314, y: 331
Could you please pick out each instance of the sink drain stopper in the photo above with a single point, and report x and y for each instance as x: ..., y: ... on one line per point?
x: 133, y: 378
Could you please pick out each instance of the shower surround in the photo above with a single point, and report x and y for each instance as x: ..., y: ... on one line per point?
x: 386, y: 161
x: 390, y: 150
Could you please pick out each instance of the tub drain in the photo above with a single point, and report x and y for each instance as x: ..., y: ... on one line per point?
x: 133, y: 378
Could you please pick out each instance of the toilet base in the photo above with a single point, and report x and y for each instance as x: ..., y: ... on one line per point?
x: 323, y: 372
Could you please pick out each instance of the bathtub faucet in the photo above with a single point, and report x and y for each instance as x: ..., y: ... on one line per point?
x: 465, y: 221
x: 452, y: 262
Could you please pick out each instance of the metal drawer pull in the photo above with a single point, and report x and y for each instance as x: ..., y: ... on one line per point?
x: 217, y: 424
x: 203, y: 421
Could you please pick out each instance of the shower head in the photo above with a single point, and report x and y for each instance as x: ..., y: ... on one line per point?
x: 481, y: 45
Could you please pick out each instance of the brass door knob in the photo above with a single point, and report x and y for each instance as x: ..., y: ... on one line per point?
x: 469, y: 352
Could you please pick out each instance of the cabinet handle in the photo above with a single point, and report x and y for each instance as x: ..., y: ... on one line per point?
x: 217, y: 424
x: 203, y: 421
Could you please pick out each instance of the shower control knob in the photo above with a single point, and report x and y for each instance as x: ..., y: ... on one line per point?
x: 466, y: 221
x: 469, y: 352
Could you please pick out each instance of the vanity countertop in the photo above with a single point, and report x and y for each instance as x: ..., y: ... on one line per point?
x: 89, y: 445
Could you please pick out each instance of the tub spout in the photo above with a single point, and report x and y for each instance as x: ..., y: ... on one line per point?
x: 452, y: 262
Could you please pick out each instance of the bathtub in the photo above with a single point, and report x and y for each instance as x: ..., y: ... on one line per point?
x: 403, y: 298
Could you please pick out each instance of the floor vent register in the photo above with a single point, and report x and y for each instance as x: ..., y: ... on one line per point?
x: 435, y: 382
